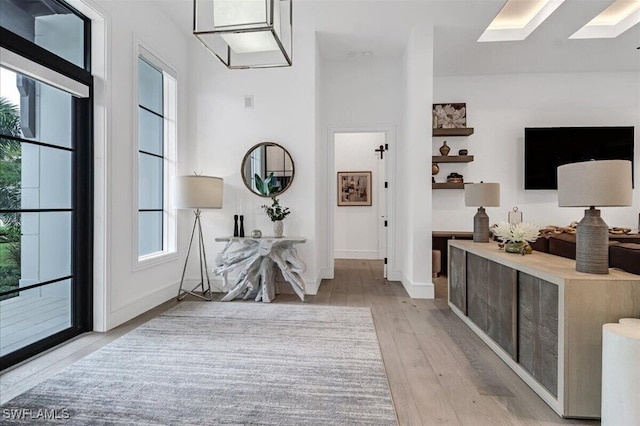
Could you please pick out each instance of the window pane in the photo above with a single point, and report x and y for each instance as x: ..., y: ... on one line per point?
x: 31, y: 315
x: 47, y: 24
x: 34, y: 177
x: 34, y: 110
x: 149, y: 182
x: 149, y: 232
x: 149, y: 87
x: 45, y: 245
x: 150, y: 132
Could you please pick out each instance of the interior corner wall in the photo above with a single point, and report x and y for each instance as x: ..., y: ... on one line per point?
x: 415, y: 196
x: 499, y: 107
x: 222, y: 130
x: 129, y: 292
x: 321, y: 185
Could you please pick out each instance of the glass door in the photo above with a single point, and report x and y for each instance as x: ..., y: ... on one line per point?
x: 46, y: 177
x: 39, y: 216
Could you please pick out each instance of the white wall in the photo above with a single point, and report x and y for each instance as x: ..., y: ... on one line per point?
x: 123, y: 290
x: 221, y: 130
x: 499, y: 108
x: 323, y: 256
x: 356, y: 228
x: 414, y: 198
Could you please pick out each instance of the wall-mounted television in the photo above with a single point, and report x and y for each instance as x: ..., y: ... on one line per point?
x: 546, y: 148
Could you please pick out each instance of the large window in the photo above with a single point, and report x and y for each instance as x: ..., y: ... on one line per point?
x: 46, y: 179
x: 156, y: 147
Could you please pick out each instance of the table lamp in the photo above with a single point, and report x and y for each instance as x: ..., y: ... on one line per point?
x: 197, y: 192
x: 605, y: 183
x: 481, y: 195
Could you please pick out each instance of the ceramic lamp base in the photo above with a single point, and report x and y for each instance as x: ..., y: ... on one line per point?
x: 592, y: 244
x: 481, y: 226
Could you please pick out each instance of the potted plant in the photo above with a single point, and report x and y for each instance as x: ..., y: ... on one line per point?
x: 276, y: 213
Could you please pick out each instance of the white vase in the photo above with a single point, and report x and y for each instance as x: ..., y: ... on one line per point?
x: 278, y: 227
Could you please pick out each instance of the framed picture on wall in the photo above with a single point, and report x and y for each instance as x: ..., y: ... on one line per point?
x: 354, y: 188
x: 449, y: 116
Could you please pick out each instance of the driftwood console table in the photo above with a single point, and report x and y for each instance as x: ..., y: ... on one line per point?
x: 542, y: 317
x: 257, y: 259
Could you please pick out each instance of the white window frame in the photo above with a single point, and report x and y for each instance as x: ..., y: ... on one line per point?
x: 169, y: 250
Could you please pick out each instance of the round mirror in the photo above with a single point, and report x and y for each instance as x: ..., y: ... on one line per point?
x: 267, y: 169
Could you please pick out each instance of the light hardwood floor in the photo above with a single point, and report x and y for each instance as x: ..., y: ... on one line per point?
x: 439, y: 371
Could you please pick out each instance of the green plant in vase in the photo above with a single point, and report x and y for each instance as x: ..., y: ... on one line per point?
x: 276, y: 213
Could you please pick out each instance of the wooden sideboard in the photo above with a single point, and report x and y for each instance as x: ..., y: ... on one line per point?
x: 542, y: 318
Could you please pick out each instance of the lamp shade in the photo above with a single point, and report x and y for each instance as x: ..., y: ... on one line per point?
x: 482, y: 195
x: 197, y: 192
x: 605, y: 183
x: 246, y: 33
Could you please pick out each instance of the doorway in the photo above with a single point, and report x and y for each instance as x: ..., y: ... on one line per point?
x: 360, y: 201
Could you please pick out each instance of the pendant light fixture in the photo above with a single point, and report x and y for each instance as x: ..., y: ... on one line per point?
x: 246, y: 33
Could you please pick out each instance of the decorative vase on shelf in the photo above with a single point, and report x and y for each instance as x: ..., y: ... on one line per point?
x: 278, y: 227
x: 434, y: 169
x: 444, y: 149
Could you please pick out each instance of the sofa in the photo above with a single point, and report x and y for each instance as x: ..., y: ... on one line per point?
x: 624, y: 250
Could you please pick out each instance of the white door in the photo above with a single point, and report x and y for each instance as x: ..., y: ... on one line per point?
x: 382, y: 205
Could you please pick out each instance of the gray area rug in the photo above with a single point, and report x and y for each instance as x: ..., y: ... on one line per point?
x: 226, y: 364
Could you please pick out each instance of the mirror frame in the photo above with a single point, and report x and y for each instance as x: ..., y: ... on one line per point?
x: 246, y: 156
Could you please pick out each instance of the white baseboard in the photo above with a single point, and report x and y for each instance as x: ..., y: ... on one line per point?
x: 325, y: 274
x: 311, y: 287
x: 141, y: 305
x: 418, y: 290
x: 356, y: 254
x: 394, y: 276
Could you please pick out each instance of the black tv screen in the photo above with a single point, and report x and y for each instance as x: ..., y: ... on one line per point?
x: 546, y: 148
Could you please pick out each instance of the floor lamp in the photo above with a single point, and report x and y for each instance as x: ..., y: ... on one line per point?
x: 594, y: 184
x: 197, y: 192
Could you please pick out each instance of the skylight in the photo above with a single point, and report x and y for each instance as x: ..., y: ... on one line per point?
x: 611, y: 22
x: 519, y: 18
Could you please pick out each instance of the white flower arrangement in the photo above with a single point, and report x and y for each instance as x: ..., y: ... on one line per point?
x: 516, y: 233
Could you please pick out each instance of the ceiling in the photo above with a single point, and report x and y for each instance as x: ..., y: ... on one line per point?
x: 346, y: 28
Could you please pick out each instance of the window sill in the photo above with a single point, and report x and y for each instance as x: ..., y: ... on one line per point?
x: 154, y: 259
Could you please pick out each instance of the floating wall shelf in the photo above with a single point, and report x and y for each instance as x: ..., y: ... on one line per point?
x: 460, y: 131
x: 447, y: 186
x: 452, y: 159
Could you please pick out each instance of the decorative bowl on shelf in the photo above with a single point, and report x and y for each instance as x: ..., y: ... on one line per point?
x: 455, y: 178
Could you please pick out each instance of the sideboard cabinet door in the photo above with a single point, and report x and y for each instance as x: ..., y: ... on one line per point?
x: 458, y: 278
x: 538, y: 329
x: 502, y: 306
